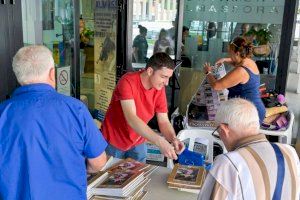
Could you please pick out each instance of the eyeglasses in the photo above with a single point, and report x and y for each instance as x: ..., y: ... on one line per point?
x: 214, y: 133
x: 216, y: 129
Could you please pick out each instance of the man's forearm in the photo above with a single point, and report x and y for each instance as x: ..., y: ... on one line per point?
x: 167, y: 130
x: 141, y: 128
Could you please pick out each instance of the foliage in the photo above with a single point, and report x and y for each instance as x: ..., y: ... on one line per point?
x: 262, y: 36
x: 88, y: 33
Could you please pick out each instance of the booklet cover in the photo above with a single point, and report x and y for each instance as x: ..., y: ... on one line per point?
x: 119, y: 179
x: 128, y: 164
x: 183, y: 175
x: 133, y: 195
x: 201, y: 146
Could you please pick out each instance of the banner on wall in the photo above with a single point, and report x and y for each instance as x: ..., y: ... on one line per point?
x: 241, y: 11
x: 105, y: 52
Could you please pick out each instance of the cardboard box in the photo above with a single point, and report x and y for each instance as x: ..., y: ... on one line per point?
x: 190, y: 81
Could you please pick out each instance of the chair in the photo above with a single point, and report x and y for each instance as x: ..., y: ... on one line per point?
x: 285, y: 136
x: 192, y: 134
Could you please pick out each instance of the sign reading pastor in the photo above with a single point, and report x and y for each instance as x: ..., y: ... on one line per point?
x: 252, y: 11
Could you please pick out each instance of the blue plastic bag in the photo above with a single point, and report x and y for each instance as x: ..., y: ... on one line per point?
x: 191, y: 158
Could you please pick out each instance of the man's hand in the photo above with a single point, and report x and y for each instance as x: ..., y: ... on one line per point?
x: 179, y: 146
x: 166, y: 148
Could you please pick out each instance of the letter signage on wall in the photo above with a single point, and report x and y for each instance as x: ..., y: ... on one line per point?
x: 243, y: 11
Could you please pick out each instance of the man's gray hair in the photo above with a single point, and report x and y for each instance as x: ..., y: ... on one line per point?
x: 240, y: 114
x: 31, y: 64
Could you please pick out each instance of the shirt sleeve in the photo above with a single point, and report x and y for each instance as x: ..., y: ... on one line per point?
x: 212, y: 189
x: 94, y: 142
x: 161, y: 103
x: 124, y: 90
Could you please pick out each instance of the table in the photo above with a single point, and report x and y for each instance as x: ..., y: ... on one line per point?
x: 158, y: 190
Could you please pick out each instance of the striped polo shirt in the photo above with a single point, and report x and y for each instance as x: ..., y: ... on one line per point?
x: 251, y: 172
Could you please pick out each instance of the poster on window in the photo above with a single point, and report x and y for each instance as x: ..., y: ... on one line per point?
x: 105, y: 52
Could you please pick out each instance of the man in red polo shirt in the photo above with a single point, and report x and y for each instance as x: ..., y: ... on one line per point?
x: 136, y: 98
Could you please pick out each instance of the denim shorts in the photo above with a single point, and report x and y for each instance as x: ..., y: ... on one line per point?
x: 138, y: 152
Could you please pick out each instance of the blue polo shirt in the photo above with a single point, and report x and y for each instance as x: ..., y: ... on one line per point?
x: 44, y: 140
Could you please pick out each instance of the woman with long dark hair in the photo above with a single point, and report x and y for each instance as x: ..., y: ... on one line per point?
x: 162, y: 44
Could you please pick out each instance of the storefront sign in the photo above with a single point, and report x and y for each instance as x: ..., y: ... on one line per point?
x: 63, y: 82
x: 244, y: 11
x: 105, y: 52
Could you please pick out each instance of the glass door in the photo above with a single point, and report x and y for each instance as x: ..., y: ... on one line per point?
x: 98, y: 44
x: 153, y: 28
x: 212, y: 26
x: 50, y: 23
x: 82, y: 36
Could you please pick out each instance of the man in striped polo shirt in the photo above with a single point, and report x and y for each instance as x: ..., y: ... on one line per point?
x: 253, y: 168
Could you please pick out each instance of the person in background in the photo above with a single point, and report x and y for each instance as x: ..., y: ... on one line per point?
x: 137, y: 97
x: 186, y: 62
x: 211, y: 30
x: 171, y: 31
x: 185, y: 33
x: 48, y: 141
x: 171, y: 34
x: 253, y: 168
x: 244, y: 80
x: 82, y: 30
x: 140, y: 46
x: 244, y: 29
x: 162, y: 44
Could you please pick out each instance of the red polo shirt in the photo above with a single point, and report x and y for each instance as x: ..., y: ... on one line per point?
x: 115, y: 128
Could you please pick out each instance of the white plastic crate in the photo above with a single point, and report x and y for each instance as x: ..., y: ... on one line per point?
x: 192, y: 134
x: 285, y: 136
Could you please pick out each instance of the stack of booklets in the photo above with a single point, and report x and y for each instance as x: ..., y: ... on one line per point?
x: 206, y: 101
x: 187, y: 178
x: 125, y: 180
x: 93, y: 179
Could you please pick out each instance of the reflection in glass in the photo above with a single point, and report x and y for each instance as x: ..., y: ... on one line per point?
x: 140, y: 46
x: 54, y: 30
x: 64, y: 11
x: 163, y: 44
x: 153, y: 15
x: 208, y: 41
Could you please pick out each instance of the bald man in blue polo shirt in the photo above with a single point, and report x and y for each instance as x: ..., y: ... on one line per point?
x: 47, y: 140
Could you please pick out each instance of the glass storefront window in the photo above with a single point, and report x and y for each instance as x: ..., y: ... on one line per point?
x: 153, y: 29
x: 213, y: 24
x: 50, y: 23
x: 98, y: 36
